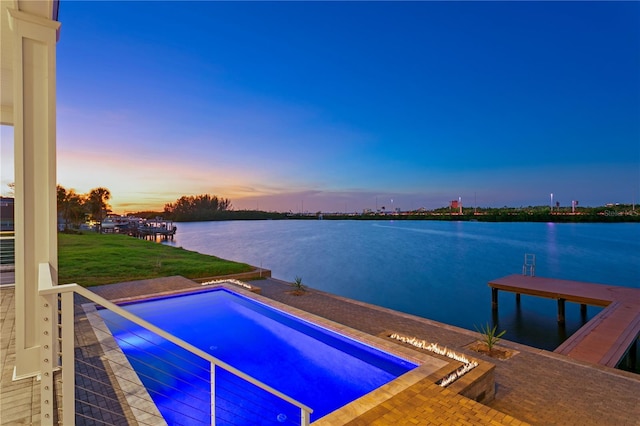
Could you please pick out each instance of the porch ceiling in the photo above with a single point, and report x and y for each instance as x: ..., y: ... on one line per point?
x: 43, y: 8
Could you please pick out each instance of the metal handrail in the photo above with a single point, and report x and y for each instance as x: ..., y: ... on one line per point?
x: 47, y: 290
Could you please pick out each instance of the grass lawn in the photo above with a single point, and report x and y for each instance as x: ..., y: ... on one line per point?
x: 95, y: 259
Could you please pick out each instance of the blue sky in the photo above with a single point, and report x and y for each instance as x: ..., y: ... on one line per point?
x: 335, y: 106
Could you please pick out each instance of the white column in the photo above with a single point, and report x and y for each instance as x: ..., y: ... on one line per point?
x: 34, y: 117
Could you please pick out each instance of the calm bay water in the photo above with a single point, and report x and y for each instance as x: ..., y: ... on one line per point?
x: 437, y: 270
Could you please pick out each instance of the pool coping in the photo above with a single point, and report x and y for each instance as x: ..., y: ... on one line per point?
x: 431, y: 367
x: 135, y: 393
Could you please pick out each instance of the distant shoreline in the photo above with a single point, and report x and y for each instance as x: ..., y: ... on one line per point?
x: 484, y: 217
x: 499, y: 218
x: 610, y: 213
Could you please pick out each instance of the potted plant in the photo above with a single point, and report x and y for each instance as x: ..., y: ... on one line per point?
x: 489, y: 337
x: 298, y: 288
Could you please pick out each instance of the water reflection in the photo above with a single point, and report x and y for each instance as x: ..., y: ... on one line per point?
x: 552, y: 254
x: 436, y: 270
x: 534, y: 322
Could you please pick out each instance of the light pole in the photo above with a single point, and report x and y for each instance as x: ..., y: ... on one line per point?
x: 552, y: 202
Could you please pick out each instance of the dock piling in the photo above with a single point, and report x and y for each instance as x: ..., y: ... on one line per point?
x: 607, y: 337
x: 494, y: 298
x: 561, y: 304
x: 633, y: 355
x: 583, y: 312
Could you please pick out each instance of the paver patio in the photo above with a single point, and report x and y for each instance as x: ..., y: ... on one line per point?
x: 534, y: 386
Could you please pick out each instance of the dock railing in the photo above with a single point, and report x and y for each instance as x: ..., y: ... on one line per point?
x: 63, y: 382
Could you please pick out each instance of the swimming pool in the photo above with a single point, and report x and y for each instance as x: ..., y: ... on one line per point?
x: 318, y: 367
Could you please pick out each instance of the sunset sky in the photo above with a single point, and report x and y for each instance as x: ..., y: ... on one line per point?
x: 334, y: 106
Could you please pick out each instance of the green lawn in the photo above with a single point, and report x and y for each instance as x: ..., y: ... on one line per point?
x: 96, y: 259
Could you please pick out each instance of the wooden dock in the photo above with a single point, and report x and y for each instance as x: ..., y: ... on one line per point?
x: 607, y: 337
x: 153, y: 228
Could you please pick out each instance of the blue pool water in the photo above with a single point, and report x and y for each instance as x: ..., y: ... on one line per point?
x: 313, y: 365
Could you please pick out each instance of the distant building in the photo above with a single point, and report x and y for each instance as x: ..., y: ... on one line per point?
x: 454, y: 204
x: 6, y: 213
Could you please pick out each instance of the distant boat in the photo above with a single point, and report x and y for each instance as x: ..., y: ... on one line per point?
x: 114, y: 223
x: 153, y: 227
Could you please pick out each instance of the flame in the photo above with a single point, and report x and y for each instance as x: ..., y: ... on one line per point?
x: 231, y: 281
x: 435, y: 348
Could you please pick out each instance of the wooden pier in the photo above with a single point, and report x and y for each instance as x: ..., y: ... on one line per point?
x: 152, y: 228
x: 607, y: 337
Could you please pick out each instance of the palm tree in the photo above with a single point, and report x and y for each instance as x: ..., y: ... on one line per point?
x: 97, y: 203
x: 61, y: 199
x: 70, y: 206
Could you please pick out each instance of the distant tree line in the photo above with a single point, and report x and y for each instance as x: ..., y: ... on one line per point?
x: 210, y: 207
x: 196, y: 208
x: 75, y: 209
x: 607, y: 214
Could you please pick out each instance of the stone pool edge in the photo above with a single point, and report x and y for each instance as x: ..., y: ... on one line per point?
x: 477, y: 385
x: 142, y: 406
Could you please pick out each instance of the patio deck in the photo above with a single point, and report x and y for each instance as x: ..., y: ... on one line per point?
x: 19, y: 400
x: 534, y: 386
